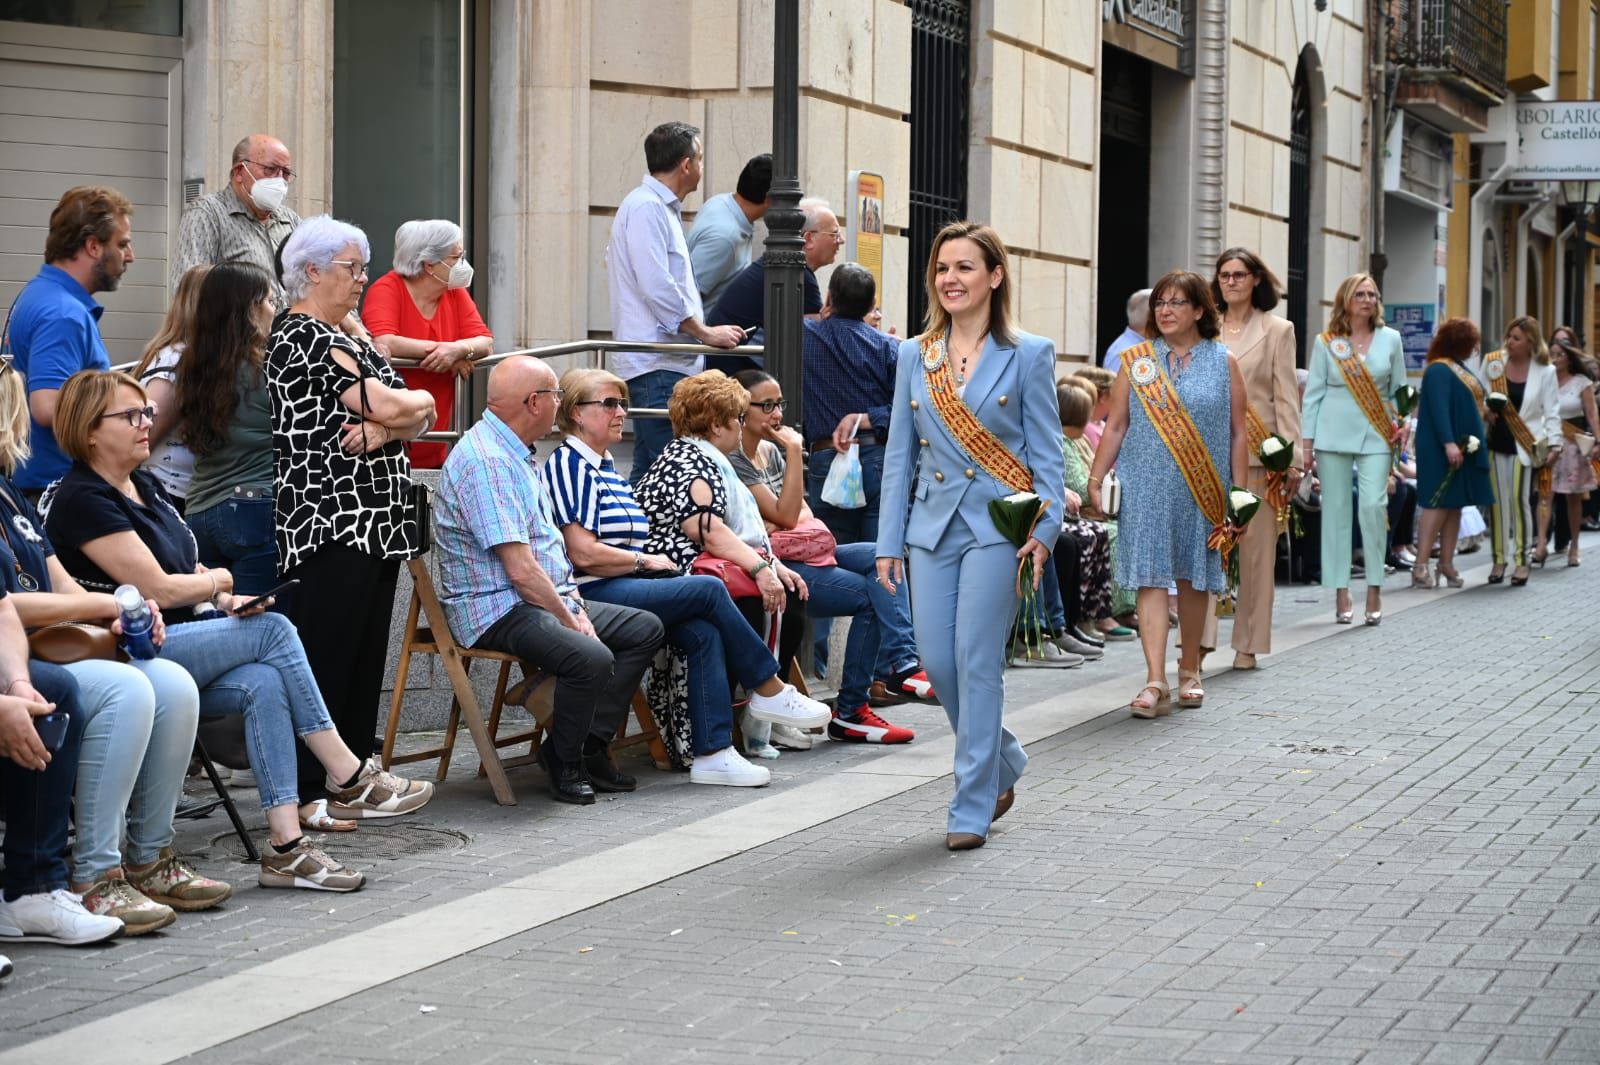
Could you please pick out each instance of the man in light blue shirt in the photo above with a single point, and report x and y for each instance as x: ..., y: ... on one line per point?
x: 653, y: 292
x: 54, y: 330
x: 506, y: 584
x: 719, y: 243
x: 1138, y: 315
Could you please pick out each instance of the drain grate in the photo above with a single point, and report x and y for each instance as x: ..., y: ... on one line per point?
x: 369, y: 844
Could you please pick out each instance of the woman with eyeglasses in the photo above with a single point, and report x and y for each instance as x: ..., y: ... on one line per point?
x: 340, y: 418
x: 1348, y: 431
x: 1176, y: 435
x: 423, y: 314
x: 604, y: 529
x: 770, y: 460
x: 111, y: 524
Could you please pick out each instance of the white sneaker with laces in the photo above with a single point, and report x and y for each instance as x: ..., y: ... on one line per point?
x: 791, y: 739
x: 790, y: 708
x: 725, y: 767
x: 54, y: 917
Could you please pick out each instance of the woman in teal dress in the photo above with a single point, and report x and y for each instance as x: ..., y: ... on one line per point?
x: 1346, y: 442
x: 1449, y: 412
x: 1163, y: 533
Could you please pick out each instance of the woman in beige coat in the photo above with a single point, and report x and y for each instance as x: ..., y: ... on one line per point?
x: 1264, y: 344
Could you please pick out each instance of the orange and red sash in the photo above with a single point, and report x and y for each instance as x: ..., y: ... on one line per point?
x: 1494, y: 368
x: 1171, y: 420
x: 1363, y: 389
x: 986, y: 450
x: 1277, y: 480
x: 1467, y: 379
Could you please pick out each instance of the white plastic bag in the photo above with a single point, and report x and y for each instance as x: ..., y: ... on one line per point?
x: 843, y: 488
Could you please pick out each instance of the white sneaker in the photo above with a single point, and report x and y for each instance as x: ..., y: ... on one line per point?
x: 790, y: 708
x: 727, y: 768
x: 54, y: 917
x: 791, y: 739
x: 1045, y: 656
x: 241, y: 778
x: 5, y: 967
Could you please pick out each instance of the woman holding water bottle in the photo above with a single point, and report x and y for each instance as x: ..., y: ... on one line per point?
x: 113, y: 525
x: 139, y: 722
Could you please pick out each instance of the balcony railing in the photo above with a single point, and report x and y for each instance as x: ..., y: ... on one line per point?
x: 1461, y: 39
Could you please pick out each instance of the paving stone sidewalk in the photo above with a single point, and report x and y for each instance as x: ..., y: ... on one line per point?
x: 1380, y: 849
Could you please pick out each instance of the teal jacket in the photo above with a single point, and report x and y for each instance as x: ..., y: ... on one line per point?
x: 1329, y: 416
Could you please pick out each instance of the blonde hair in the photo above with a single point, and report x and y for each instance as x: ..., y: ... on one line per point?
x: 705, y: 401
x: 1529, y: 327
x: 579, y: 385
x: 1098, y: 376
x: 994, y: 255
x: 84, y: 400
x: 180, y: 316
x: 1339, y: 319
x: 15, y: 424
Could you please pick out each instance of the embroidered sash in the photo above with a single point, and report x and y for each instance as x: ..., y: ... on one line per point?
x: 1171, y: 420
x: 1494, y: 368
x: 1277, y: 480
x: 1471, y: 382
x: 986, y: 450
x: 1363, y: 389
x: 1255, y: 428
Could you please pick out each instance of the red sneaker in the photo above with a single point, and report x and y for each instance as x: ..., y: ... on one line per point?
x: 867, y: 727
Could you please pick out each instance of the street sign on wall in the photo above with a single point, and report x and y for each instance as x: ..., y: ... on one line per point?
x: 1557, y: 140
x: 864, y: 224
x: 1415, y: 323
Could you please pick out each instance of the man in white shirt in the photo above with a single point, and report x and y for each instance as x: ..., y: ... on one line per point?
x: 653, y: 293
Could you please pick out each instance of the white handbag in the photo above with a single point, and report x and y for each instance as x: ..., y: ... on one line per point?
x: 1110, y: 494
x: 1585, y: 443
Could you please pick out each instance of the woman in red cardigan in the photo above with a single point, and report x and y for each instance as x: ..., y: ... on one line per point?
x: 421, y: 310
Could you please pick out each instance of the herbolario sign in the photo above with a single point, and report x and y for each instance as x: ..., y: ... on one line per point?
x: 1157, y: 30
x: 1557, y: 140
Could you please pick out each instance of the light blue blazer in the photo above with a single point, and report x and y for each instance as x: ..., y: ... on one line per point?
x: 1013, y: 392
x: 1329, y: 415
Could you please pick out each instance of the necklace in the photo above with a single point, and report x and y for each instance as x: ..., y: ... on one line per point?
x: 1235, y: 330
x: 961, y: 369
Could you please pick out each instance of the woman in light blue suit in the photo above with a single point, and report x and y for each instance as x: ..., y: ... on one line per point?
x: 937, y: 485
x: 1344, y: 440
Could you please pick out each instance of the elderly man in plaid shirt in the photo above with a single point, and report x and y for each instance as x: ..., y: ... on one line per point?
x: 507, y: 584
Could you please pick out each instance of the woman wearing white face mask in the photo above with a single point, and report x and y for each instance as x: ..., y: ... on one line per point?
x: 423, y: 313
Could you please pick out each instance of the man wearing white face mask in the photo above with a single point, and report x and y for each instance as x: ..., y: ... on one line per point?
x: 246, y: 221
x: 422, y: 311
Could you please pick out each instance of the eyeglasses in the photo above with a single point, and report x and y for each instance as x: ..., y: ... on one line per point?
x: 609, y: 403
x: 837, y: 235
x: 1176, y: 305
x: 1231, y: 277
x: 358, y: 269
x: 1365, y: 296
x: 556, y: 392
x: 741, y: 419
x: 272, y: 170
x: 134, y: 415
x: 769, y: 405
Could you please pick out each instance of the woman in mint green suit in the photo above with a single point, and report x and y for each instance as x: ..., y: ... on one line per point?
x: 935, y: 499
x: 1345, y: 441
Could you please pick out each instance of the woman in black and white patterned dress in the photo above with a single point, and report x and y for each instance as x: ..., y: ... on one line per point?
x: 340, y: 416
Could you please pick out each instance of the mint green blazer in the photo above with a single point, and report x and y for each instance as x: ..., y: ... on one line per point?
x: 1329, y: 416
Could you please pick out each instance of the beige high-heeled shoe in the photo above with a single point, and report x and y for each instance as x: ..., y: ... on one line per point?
x: 1449, y: 576
x: 1160, y: 706
x: 1190, y: 694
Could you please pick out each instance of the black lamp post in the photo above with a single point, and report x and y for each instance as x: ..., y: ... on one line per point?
x: 785, y: 258
x: 1581, y: 195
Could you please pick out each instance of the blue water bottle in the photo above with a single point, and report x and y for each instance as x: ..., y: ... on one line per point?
x: 137, y: 623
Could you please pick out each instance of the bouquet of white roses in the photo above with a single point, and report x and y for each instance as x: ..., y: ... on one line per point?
x: 1242, y: 506
x: 1469, y: 446
x: 1497, y: 401
x: 1276, y: 453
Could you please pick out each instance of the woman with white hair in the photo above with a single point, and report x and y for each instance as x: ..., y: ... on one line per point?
x: 340, y: 416
x: 423, y: 314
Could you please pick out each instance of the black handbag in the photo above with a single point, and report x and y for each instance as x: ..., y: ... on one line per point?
x: 419, y: 512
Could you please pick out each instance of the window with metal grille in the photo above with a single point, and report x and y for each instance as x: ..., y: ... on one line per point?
x: 940, y: 35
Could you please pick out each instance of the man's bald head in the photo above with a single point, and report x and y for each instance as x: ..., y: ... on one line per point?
x: 521, y: 394
x: 256, y: 146
x: 255, y: 158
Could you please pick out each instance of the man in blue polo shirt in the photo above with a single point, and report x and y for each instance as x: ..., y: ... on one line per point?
x: 55, y: 323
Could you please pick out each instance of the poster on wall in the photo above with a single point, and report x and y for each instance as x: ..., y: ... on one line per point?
x: 1415, y: 323
x: 1557, y: 140
x: 864, y: 224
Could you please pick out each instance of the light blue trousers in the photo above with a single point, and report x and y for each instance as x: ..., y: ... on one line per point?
x: 1369, y: 494
x: 963, y: 603
x: 138, y: 734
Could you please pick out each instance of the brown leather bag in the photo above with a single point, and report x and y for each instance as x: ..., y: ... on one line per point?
x: 67, y: 642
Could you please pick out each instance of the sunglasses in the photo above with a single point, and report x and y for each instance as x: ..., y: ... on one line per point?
x: 609, y: 403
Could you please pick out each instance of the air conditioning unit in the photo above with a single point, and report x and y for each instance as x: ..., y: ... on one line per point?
x: 1418, y: 162
x: 1518, y: 192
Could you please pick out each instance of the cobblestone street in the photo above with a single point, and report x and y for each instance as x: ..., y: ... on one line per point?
x: 1377, y: 848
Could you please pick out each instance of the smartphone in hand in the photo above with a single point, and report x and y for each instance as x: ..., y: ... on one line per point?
x: 52, y: 729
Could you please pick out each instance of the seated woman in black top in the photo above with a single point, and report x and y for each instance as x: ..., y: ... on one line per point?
x: 112, y: 524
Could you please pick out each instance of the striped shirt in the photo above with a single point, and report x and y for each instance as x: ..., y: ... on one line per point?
x: 586, y: 490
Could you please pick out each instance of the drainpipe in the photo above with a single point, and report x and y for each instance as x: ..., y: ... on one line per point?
x: 1475, y: 217
x: 1561, y: 281
x: 1211, y: 133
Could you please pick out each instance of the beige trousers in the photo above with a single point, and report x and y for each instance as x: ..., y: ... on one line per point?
x: 1258, y: 549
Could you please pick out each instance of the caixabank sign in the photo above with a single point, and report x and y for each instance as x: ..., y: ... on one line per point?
x: 1157, y: 30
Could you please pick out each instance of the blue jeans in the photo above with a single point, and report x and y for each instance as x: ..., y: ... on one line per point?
x: 257, y: 667
x: 139, y: 722
x: 650, y: 435
x: 838, y: 592
x: 37, y: 805
x: 702, y: 622
x: 237, y: 534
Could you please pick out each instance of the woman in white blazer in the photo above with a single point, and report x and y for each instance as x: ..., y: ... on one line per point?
x: 1520, y: 370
